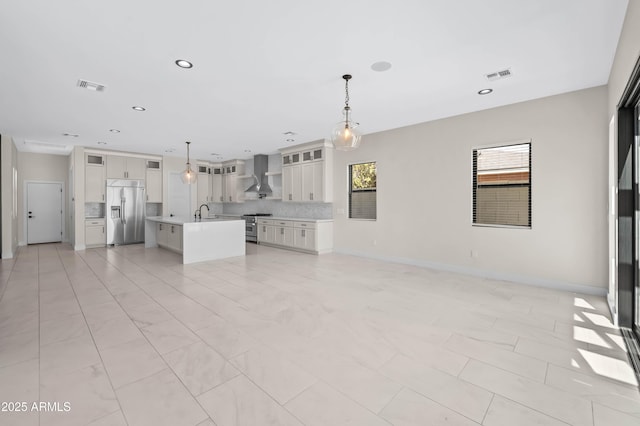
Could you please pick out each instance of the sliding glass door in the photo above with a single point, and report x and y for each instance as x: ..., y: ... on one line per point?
x: 636, y: 285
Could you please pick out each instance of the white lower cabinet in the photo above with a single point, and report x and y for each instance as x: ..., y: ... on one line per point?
x: 305, y: 236
x: 169, y: 236
x: 94, y: 233
x: 284, y: 233
x: 308, y: 236
x: 266, y: 232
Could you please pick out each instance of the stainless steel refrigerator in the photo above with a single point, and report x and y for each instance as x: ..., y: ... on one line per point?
x: 125, y: 211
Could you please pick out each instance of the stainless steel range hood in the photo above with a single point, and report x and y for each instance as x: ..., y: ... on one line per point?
x: 260, y: 168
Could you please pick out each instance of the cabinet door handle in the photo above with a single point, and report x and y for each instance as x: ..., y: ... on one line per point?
x: 289, y: 197
x: 281, y: 231
x: 311, y: 196
x: 302, y: 233
x: 102, y: 197
x: 103, y: 229
x: 172, y: 229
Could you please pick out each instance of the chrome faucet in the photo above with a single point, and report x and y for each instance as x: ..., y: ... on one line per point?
x: 199, y: 211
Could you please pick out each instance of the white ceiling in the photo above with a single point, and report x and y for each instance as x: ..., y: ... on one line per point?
x: 262, y: 68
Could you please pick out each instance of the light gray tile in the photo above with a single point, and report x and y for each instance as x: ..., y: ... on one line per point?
x: 504, y: 412
x: 606, y: 392
x: 458, y: 395
x: 496, y: 355
x: 239, y: 402
x: 87, y: 391
x: 278, y: 376
x: 604, y: 416
x: 159, y: 400
x: 320, y: 405
x: 409, y: 408
x: 530, y: 393
x: 18, y: 348
x: 169, y: 335
x: 131, y: 361
x: 199, y: 367
x: 226, y: 339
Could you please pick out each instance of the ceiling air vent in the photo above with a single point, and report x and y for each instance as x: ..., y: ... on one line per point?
x: 89, y: 85
x: 499, y: 75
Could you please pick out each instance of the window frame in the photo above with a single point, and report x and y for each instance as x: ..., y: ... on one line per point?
x: 474, y: 149
x: 350, y: 190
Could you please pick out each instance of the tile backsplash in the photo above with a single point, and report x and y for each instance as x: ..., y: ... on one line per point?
x: 278, y: 208
x: 93, y: 209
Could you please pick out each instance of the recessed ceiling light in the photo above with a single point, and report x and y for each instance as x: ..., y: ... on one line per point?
x: 381, y: 66
x: 289, y: 133
x: 102, y: 143
x: 114, y: 130
x: 213, y: 153
x: 70, y: 135
x: 169, y: 150
x: 485, y: 91
x: 290, y: 140
x: 139, y: 108
x: 247, y: 150
x: 220, y: 157
x: 184, y: 64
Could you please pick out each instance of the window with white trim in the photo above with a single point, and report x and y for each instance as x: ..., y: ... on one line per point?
x: 362, y: 191
x: 502, y: 185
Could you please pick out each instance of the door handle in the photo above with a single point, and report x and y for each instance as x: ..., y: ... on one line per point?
x: 122, y: 216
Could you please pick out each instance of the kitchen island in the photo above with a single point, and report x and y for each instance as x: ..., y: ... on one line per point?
x: 197, y: 241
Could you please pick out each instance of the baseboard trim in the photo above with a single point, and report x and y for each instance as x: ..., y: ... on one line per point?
x: 483, y: 273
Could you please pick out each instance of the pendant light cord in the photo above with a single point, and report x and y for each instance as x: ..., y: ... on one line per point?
x: 346, y: 91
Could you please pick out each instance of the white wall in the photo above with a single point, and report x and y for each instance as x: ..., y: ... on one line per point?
x: 627, y: 54
x: 424, y: 194
x: 9, y: 216
x: 176, y: 165
x: 40, y: 167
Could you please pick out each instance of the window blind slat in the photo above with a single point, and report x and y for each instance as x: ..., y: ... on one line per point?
x: 502, y: 185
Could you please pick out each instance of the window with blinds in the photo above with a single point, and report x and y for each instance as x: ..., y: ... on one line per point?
x: 362, y: 191
x: 502, y: 186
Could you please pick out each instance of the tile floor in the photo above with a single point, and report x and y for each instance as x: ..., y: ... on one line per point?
x: 128, y: 336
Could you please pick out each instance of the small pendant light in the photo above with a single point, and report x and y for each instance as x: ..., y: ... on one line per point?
x: 346, y: 136
x: 188, y: 176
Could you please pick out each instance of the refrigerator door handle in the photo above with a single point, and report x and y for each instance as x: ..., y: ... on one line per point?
x: 122, y: 216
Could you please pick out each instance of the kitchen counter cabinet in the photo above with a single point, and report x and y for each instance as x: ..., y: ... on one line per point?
x: 94, y: 235
x: 197, y: 241
x: 310, y: 236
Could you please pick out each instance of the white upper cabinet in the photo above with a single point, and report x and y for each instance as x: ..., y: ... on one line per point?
x: 216, y: 184
x: 204, y: 193
x: 119, y: 167
x: 153, y: 181
x: 232, y: 184
x: 307, y: 172
x: 94, y: 179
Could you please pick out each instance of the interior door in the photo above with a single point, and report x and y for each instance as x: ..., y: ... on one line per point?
x: 44, y: 212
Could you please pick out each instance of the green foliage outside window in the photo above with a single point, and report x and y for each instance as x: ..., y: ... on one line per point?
x: 363, y: 176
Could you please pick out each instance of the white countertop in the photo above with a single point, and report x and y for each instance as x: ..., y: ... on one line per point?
x: 296, y: 219
x: 182, y: 221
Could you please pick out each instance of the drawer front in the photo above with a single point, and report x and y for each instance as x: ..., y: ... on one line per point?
x: 94, y: 222
x: 265, y: 222
x: 305, y: 225
x: 283, y: 223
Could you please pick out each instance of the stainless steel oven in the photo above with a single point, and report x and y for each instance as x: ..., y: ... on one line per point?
x: 251, y: 225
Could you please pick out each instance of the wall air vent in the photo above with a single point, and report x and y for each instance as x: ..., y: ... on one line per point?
x: 89, y: 85
x: 499, y: 75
